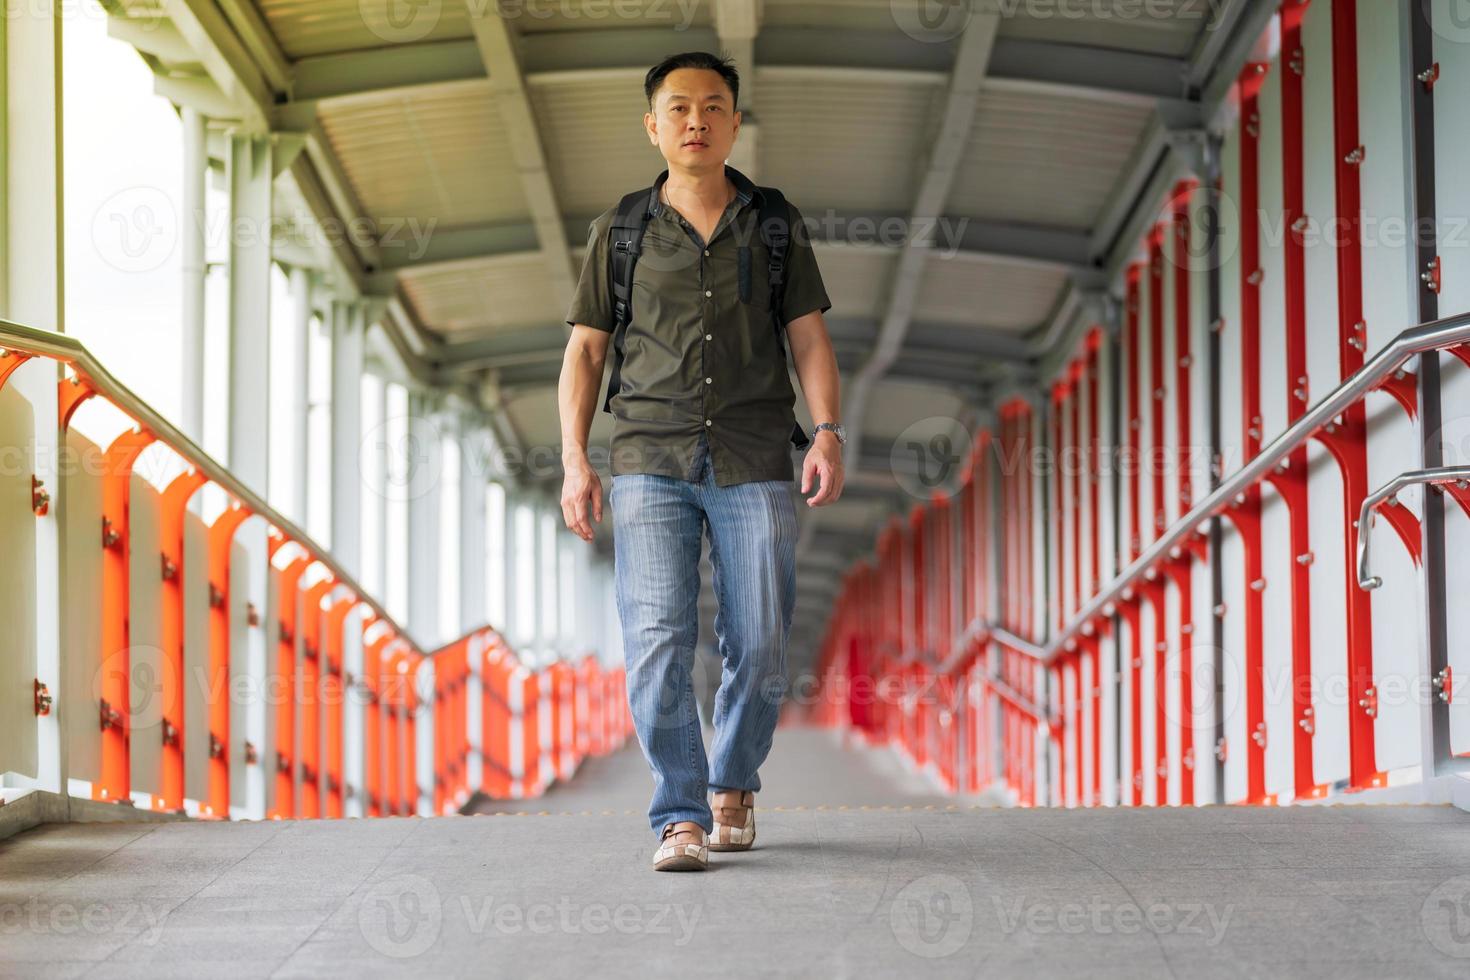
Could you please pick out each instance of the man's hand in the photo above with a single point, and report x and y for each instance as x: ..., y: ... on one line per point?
x: 580, y: 483
x: 825, y: 460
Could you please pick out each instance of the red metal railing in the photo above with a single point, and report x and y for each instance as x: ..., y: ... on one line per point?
x: 406, y: 700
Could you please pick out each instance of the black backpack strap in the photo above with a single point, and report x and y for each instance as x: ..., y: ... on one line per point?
x: 624, y: 246
x: 775, y: 227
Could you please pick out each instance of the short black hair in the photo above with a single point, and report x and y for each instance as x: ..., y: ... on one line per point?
x: 693, y: 59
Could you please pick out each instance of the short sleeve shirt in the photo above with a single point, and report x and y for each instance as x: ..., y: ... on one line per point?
x: 701, y: 356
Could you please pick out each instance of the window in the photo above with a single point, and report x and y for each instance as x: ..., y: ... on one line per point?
x: 495, y: 556
x: 396, y: 502
x: 449, y: 537
x: 122, y: 185
x: 286, y: 381
x: 550, y: 634
x: 523, y: 603
x: 319, y: 431
x: 372, y: 448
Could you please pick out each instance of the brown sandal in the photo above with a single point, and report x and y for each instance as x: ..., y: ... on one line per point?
x: 734, y: 821
x: 682, y: 850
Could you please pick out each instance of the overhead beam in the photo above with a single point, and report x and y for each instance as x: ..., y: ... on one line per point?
x: 379, y: 71
x: 226, y: 60
x: 497, y: 43
x: 738, y: 22
x: 951, y: 135
x: 1084, y: 67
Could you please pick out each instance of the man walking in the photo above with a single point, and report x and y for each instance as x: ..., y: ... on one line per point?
x: 702, y: 436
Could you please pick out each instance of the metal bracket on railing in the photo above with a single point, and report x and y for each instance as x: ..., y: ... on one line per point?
x: 40, y: 499
x: 216, y: 747
x: 1432, y: 275
x: 1438, y: 476
x: 109, y: 716
x: 252, y: 756
x: 1403, y: 385
x: 43, y: 700
x: 170, y: 734
x: 1443, y: 682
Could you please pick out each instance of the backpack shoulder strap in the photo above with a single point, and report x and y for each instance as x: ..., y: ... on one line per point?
x: 624, y: 245
x: 775, y: 228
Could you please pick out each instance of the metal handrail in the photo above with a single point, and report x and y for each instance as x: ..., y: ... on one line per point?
x: 69, y: 350
x: 1437, y: 476
x: 1435, y: 335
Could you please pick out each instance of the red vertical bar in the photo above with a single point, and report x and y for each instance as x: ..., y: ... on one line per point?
x: 1129, y: 607
x: 309, y: 699
x: 171, y: 638
x: 372, y: 755
x: 1246, y: 514
x: 1184, y: 574
x: 410, y: 798
x: 1350, y: 443
x: 1291, y: 483
x: 332, y: 697
x: 286, y: 620
x: 115, y: 668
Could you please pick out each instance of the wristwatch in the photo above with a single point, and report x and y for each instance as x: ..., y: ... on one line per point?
x: 836, y: 429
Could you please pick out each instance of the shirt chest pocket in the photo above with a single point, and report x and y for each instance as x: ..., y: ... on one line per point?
x: 752, y: 274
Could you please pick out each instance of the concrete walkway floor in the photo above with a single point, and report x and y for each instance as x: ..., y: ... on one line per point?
x: 832, y: 889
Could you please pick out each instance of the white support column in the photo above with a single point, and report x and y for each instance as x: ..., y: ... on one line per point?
x: 301, y: 310
x: 194, y: 270
x: 248, y: 171
x: 31, y: 292
x: 422, y: 487
x: 349, y: 330
x: 472, y: 551
x: 520, y: 590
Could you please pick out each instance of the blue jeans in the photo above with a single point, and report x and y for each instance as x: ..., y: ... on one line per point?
x: 658, y: 522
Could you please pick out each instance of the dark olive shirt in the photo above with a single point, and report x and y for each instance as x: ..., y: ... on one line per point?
x: 700, y: 354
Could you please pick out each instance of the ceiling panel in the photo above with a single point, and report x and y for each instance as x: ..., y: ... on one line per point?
x: 535, y: 16
x: 983, y: 292
x: 856, y: 277
x: 482, y: 295
x: 429, y: 153
x: 1045, y: 157
x: 1163, y: 27
x: 895, y: 405
x: 592, y: 132
x: 311, y: 27
x: 1167, y: 27
x: 850, y: 140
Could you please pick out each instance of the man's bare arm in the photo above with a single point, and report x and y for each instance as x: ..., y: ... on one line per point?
x: 581, y: 378
x: 816, y: 368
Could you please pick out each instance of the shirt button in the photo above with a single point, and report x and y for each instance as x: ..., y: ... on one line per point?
x: 709, y: 422
x: 708, y: 293
x: 709, y: 381
x: 706, y: 251
x: 709, y: 336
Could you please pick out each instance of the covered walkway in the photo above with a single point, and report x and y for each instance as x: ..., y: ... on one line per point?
x: 1135, y: 644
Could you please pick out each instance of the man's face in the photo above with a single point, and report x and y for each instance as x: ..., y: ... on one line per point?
x: 693, y: 122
